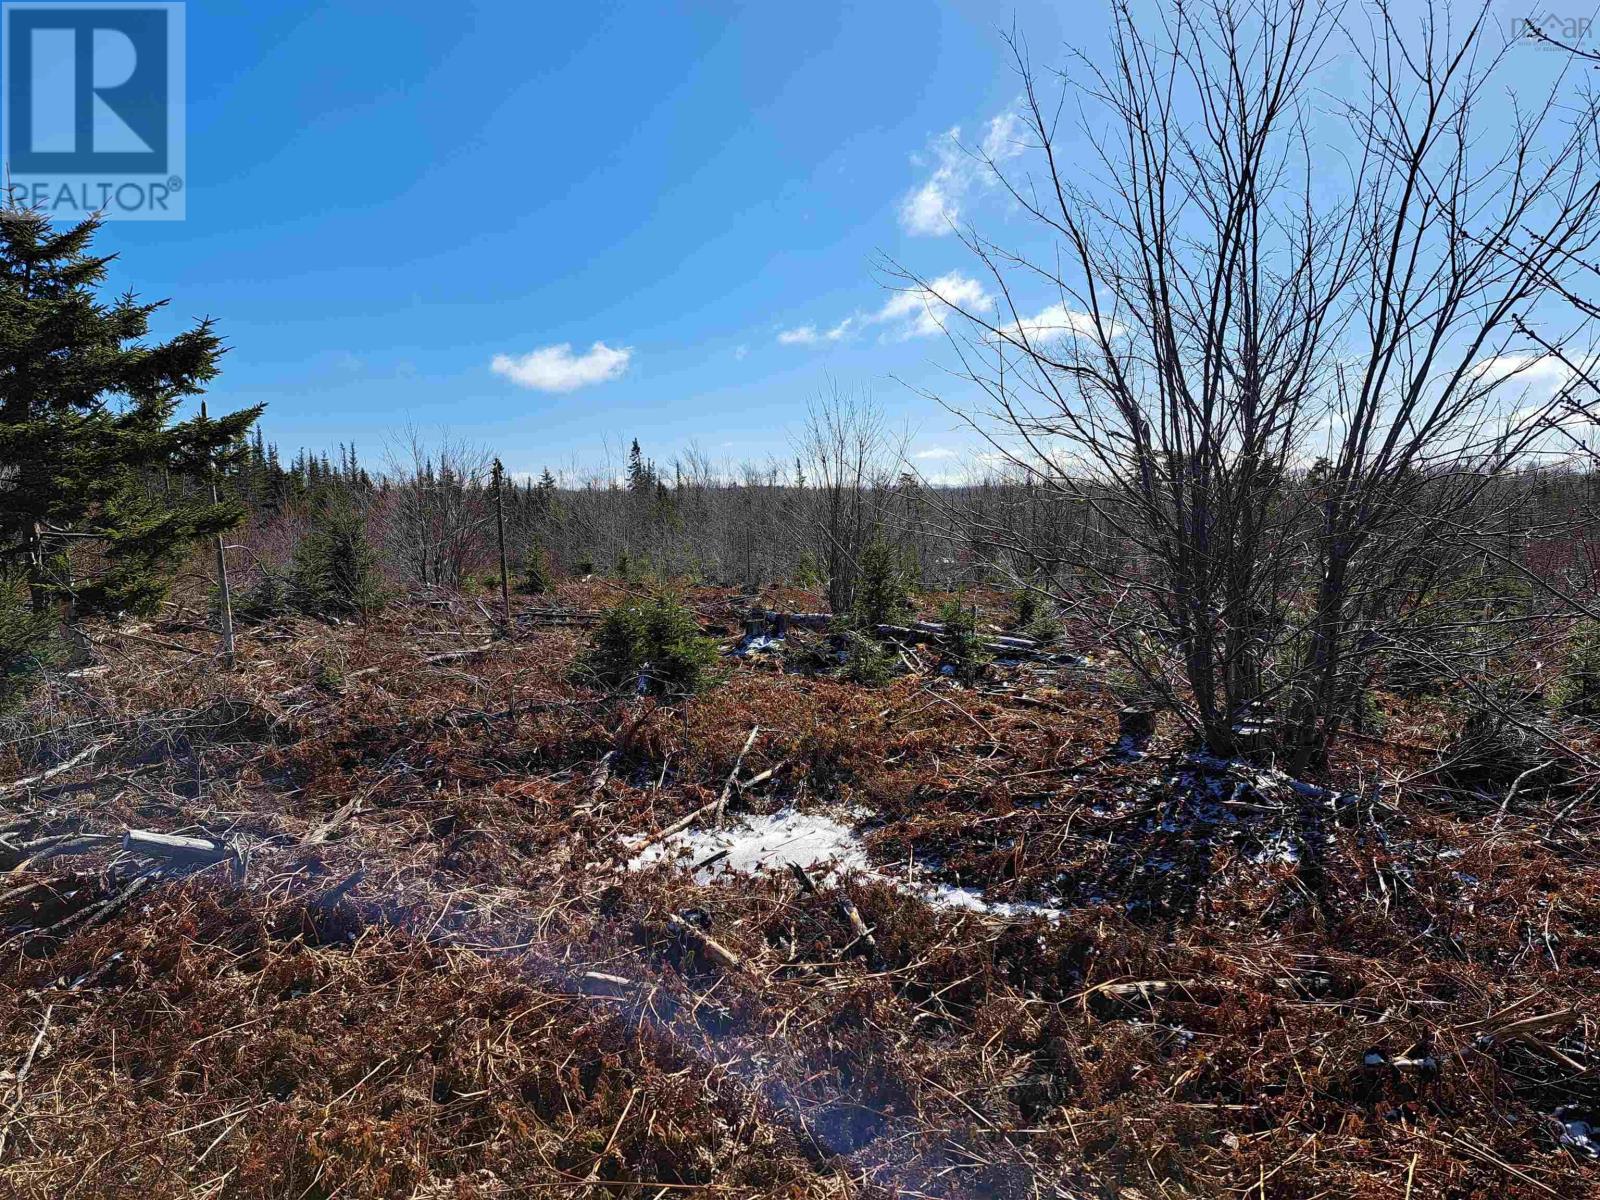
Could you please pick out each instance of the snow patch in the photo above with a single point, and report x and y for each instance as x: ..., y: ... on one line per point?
x: 827, y: 848
x: 811, y: 840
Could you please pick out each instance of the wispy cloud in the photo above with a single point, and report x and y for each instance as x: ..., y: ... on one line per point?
x: 810, y: 335
x: 1537, y: 372
x: 923, y: 311
x: 914, y: 312
x: 558, y: 369
x: 1056, y: 322
x: 932, y: 208
x: 934, y: 454
x: 910, y: 313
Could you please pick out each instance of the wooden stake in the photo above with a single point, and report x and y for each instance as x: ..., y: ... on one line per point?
x: 229, y: 659
x: 500, y: 532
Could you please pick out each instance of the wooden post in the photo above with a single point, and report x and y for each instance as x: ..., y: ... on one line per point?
x: 500, y: 532
x: 229, y: 659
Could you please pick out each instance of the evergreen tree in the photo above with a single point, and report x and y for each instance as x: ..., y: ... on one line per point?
x: 544, y: 498
x: 639, y: 475
x: 97, y: 471
x: 884, y: 586
x: 537, y: 577
x: 27, y: 642
x: 650, y: 645
x: 335, y: 570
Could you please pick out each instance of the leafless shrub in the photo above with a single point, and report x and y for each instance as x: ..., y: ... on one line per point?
x: 1279, y: 378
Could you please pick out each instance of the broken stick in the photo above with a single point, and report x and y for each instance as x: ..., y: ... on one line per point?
x: 712, y: 948
x: 733, y: 775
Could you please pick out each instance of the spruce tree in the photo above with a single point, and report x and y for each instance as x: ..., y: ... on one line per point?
x: 100, y: 495
x: 638, y: 473
x: 335, y: 570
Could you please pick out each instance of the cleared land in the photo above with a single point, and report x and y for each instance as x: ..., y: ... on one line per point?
x: 430, y: 965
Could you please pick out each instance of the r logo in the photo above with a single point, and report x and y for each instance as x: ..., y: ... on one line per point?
x: 87, y: 89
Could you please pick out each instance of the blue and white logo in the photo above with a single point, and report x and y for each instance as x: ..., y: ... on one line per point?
x: 93, y: 104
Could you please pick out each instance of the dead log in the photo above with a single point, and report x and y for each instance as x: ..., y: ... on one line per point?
x: 932, y: 631
x: 191, y: 851
x: 557, y: 618
x: 333, y: 824
x: 89, y: 917
x: 766, y: 621
x: 39, y: 850
x: 329, y: 898
x: 606, y: 982
x: 1143, y: 989
x: 81, y: 844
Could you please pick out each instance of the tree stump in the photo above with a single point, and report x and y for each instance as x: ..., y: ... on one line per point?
x: 1136, y: 722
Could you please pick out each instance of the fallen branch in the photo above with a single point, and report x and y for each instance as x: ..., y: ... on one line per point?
x: 333, y: 824
x: 48, y: 848
x: 78, y: 759
x: 38, y: 1040
x: 456, y: 655
x: 727, y: 787
x: 712, y: 948
x: 858, y: 925
x: 91, y: 916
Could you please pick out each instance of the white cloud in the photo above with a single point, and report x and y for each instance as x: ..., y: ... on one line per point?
x: 558, y: 369
x: 923, y: 311
x: 1539, y: 372
x: 934, y: 454
x: 1555, y: 394
x: 928, y: 210
x: 1057, y: 322
x: 809, y: 335
x: 932, y: 208
x: 912, y: 313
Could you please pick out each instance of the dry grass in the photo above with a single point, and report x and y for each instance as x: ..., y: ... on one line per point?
x: 426, y: 972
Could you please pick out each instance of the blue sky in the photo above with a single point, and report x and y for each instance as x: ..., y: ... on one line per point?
x: 383, y: 198
x: 401, y: 212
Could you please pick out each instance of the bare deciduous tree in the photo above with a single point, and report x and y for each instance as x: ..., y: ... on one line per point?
x: 848, y: 454
x: 1290, y: 335
x: 439, y: 509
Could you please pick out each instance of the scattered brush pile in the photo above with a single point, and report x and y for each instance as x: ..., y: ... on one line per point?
x: 424, y: 955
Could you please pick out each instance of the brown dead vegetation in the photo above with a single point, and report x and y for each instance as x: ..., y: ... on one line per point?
x: 423, y: 969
